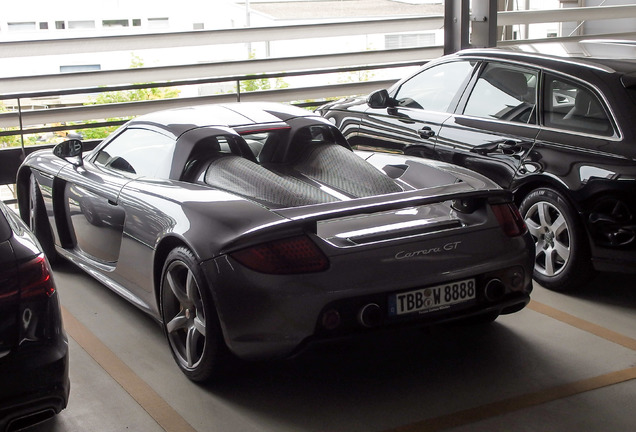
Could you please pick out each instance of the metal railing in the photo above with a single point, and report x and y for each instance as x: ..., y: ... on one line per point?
x: 20, y: 88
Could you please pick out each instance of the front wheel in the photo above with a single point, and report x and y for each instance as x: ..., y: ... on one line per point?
x: 189, y: 318
x: 562, y: 258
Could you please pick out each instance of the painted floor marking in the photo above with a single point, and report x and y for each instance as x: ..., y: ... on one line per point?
x: 581, y: 324
x: 171, y: 421
x: 138, y: 389
x: 483, y: 412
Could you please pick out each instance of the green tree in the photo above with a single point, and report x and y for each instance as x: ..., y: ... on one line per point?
x: 13, y: 140
x: 142, y: 94
x: 262, y: 84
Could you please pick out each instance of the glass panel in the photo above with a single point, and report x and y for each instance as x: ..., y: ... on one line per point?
x: 141, y: 152
x: 115, y: 23
x: 503, y: 92
x: 158, y: 22
x: 21, y: 26
x: 435, y: 88
x: 570, y: 106
x: 81, y: 24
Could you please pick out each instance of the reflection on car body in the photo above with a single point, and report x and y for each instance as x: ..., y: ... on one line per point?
x: 252, y: 230
x: 558, y: 132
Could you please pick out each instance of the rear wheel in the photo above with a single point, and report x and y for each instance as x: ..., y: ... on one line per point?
x: 189, y: 318
x: 38, y: 220
x: 561, y: 253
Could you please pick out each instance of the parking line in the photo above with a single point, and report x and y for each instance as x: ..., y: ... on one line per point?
x: 170, y: 420
x: 483, y: 412
x: 581, y: 324
x: 146, y: 397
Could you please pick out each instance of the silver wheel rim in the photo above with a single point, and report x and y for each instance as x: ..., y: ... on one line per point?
x: 184, y: 315
x: 551, y: 235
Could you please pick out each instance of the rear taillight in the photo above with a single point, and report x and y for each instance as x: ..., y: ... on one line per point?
x: 35, y: 278
x: 509, y: 219
x: 288, y: 256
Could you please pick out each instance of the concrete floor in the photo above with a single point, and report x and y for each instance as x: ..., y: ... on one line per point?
x: 565, y: 363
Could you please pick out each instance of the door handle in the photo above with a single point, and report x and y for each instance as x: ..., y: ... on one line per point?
x: 426, y: 132
x: 508, y: 147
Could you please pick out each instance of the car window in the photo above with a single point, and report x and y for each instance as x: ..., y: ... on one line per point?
x: 571, y: 106
x: 140, y: 152
x: 504, y: 92
x: 435, y: 88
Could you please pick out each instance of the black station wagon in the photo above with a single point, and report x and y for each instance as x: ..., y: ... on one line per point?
x: 559, y: 132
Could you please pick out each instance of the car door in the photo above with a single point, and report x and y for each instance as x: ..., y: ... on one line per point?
x: 91, y: 196
x: 582, y: 146
x: 418, y: 108
x: 495, y: 125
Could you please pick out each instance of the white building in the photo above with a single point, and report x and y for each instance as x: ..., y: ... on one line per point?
x: 42, y: 19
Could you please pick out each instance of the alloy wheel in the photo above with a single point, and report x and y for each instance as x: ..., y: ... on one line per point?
x: 551, y: 235
x: 184, y: 315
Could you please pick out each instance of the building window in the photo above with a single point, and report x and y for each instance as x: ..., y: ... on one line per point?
x: 136, y: 22
x: 198, y: 26
x: 21, y: 26
x: 115, y: 23
x: 409, y: 40
x: 44, y: 26
x: 80, y: 68
x: 81, y: 24
x: 158, y: 22
x: 60, y: 25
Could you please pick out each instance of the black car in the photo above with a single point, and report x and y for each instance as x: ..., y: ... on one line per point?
x: 559, y: 132
x: 254, y: 229
x: 34, y: 381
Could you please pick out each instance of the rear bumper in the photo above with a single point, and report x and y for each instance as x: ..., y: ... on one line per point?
x: 266, y: 316
x: 37, y: 384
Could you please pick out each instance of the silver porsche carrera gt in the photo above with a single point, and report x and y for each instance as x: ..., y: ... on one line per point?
x: 252, y: 230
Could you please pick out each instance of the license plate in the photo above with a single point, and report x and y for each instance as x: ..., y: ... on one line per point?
x: 432, y: 299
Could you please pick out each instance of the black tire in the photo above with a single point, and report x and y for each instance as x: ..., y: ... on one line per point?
x: 562, y: 258
x: 190, y: 320
x: 38, y: 221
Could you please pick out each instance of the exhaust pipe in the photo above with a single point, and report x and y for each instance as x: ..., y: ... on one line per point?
x: 495, y: 290
x: 370, y: 315
x: 29, y: 420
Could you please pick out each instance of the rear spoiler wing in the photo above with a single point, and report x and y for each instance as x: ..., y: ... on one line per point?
x: 306, y: 218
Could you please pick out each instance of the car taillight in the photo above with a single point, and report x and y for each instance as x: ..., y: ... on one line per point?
x: 35, y: 278
x: 287, y: 256
x: 509, y: 219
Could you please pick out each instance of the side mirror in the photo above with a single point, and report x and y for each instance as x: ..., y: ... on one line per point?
x: 380, y: 99
x: 70, y: 149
